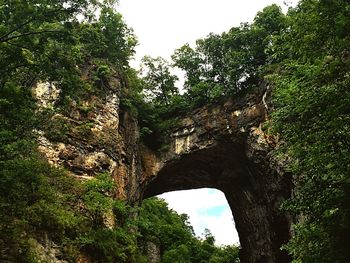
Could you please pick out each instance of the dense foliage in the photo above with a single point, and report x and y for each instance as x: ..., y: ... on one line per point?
x: 175, y: 236
x: 304, y: 55
x: 230, y: 63
x: 51, y: 41
x: 312, y: 99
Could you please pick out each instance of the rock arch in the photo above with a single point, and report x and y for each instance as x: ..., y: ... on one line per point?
x: 221, y: 146
x: 224, y: 147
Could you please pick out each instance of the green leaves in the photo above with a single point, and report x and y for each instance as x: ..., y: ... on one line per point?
x: 108, y: 38
x: 230, y: 63
x: 312, y: 98
x: 105, y: 244
x: 217, y: 67
x: 176, y: 238
x: 45, y: 41
x: 159, y: 83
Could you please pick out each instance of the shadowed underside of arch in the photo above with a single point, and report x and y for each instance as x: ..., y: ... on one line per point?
x: 225, y: 148
x: 251, y: 194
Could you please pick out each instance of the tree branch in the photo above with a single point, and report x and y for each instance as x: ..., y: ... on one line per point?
x: 16, y: 28
x: 15, y: 45
x: 28, y: 21
x: 29, y: 34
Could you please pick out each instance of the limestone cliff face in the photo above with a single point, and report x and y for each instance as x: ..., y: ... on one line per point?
x: 93, y: 136
x: 219, y: 146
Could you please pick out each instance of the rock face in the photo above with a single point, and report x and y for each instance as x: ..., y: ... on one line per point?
x: 153, y: 253
x: 220, y: 146
x: 93, y: 136
x: 224, y: 147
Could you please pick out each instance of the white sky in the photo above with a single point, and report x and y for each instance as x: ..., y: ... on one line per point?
x: 165, y: 25
x: 207, y: 208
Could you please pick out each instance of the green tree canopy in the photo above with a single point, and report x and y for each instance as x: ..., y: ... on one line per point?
x: 159, y: 82
x: 312, y: 103
x: 176, y: 237
x: 227, y: 64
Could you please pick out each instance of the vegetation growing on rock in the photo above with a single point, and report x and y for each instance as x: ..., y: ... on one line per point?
x: 304, y: 55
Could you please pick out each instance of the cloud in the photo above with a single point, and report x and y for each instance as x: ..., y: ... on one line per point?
x: 207, y: 208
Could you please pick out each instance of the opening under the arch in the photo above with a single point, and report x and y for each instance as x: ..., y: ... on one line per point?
x: 206, y: 208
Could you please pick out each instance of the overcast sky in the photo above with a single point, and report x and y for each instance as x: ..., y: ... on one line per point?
x: 207, y: 208
x: 165, y: 25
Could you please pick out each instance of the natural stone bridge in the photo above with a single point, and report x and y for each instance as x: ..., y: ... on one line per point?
x: 224, y: 147
x: 220, y: 146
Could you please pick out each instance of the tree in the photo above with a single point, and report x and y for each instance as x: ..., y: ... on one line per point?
x: 209, y: 238
x: 36, y: 36
x: 311, y: 98
x: 159, y: 83
x: 226, y: 254
x: 201, y: 65
x: 175, y: 236
x: 42, y: 41
x: 271, y: 20
x: 230, y: 63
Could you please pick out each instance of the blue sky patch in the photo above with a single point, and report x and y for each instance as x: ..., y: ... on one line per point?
x: 214, y: 211
x: 212, y: 191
